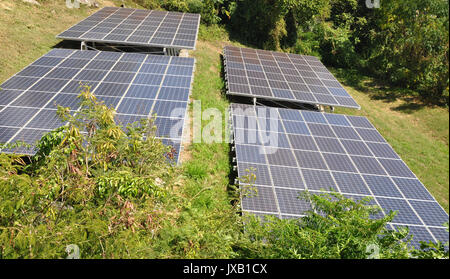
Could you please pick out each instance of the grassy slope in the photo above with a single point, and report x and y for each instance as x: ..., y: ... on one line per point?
x: 420, y: 136
x: 28, y: 31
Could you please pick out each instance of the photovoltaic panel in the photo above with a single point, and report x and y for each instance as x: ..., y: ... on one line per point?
x: 137, y: 27
x: 319, y: 159
x: 29, y: 99
x: 283, y: 77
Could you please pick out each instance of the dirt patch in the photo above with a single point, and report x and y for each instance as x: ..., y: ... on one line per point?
x: 186, y: 141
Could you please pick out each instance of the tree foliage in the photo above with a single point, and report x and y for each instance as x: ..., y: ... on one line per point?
x: 403, y: 42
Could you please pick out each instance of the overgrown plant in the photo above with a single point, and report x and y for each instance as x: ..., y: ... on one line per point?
x: 335, y: 228
x: 91, y: 184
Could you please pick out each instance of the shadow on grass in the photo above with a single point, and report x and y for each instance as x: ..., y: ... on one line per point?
x: 382, y: 91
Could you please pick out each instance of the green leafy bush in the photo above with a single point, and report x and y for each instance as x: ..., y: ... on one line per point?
x: 336, y: 228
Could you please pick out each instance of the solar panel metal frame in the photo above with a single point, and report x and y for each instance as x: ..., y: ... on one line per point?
x: 11, y: 111
x: 172, y: 45
x: 423, y: 209
x: 236, y: 58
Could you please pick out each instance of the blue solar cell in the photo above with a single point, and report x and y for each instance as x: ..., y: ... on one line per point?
x: 412, y: 189
x: 295, y: 127
x: 169, y: 127
x: 368, y: 165
x: 321, y: 130
x: 329, y: 145
x: 262, y: 200
x: 405, y: 215
x: 382, y: 150
x: 46, y: 119
x: 6, y: 133
x: 253, y: 174
x: 302, y: 142
x: 6, y: 96
x: 382, y: 186
x: 65, y: 100
x: 336, y: 119
x: 59, y: 52
x: 48, y: 61
x: 76, y: 86
x: 345, y: 132
x: 356, y: 147
x: 49, y: 85
x: 318, y: 180
x: 370, y: 135
x: 173, y: 93
x: 34, y: 71
x: 250, y: 154
x: 418, y: 235
x: 286, y: 177
x: 290, y: 115
x: 440, y: 234
x: 91, y: 75
x: 124, y: 120
x: 177, y: 81
x: 351, y: 183
x: 29, y: 136
x: 135, y: 106
x: 148, y: 79
x: 119, y: 77
x: 273, y: 139
x: 359, y: 121
x: 169, y: 108
x: 281, y: 157
x: 396, y: 168
x: 281, y: 93
x: 308, y: 159
x: 32, y: 99
x: 339, y: 92
x: 153, y: 69
x: 430, y: 212
x: 339, y: 162
x: 313, y: 117
x: 109, y: 101
x: 326, y: 99
x: 142, y: 91
x: 63, y: 73
x: 74, y: 63
x: 100, y: 64
x: 179, y: 70
x: 17, y: 82
x: 126, y: 66
x: 111, y: 89
x: 16, y: 117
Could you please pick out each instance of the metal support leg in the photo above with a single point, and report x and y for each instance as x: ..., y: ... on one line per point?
x: 83, y: 46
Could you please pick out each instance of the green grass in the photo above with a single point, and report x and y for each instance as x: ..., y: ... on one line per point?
x: 28, y: 31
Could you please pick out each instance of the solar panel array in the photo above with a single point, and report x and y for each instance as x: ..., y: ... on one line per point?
x: 136, y: 85
x: 282, y: 76
x: 137, y: 27
x: 293, y: 151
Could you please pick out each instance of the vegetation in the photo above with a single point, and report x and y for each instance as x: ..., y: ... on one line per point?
x: 114, y: 208
x: 404, y: 42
